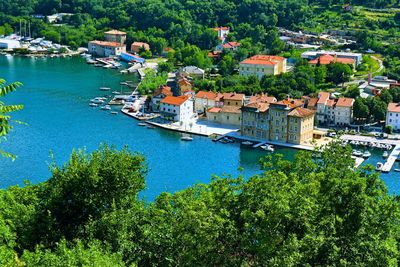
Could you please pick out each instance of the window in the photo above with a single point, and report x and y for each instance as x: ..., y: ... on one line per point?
x: 227, y: 118
x: 215, y: 118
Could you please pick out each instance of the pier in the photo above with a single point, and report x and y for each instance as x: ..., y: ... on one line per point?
x: 387, y: 167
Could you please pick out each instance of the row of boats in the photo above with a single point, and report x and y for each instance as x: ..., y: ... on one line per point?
x: 266, y: 147
x: 369, y: 144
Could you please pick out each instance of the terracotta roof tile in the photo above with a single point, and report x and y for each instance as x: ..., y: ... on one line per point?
x: 116, y: 32
x: 175, y: 100
x: 327, y: 59
x: 105, y: 43
x: 291, y: 103
x: 394, y: 107
x: 207, y: 95
x: 301, y: 112
x: 214, y: 110
x: 164, y: 89
x: 345, y: 102
x: 263, y: 60
x: 233, y: 96
x: 323, y: 97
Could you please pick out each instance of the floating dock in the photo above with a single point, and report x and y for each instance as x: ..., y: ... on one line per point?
x: 387, y: 167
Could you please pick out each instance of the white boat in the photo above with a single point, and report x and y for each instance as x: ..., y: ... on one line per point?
x: 93, y: 105
x: 247, y: 143
x: 186, y: 138
x: 269, y: 148
x: 114, y: 112
x: 123, y: 83
x: 357, y: 153
x: 97, y: 100
x: 105, y: 88
x: 150, y: 127
x: 379, y: 166
x: 116, y: 92
x: 366, y: 154
x: 397, y: 170
x: 106, y: 107
x: 142, y: 124
x: 385, y: 154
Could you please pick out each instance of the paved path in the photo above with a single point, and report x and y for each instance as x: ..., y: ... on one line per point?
x: 369, y: 139
x: 387, y: 167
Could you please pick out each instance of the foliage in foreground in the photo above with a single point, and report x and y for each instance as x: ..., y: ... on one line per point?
x: 313, y: 211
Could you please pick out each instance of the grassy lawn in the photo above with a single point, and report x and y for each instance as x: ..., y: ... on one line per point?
x: 368, y: 65
x: 156, y: 60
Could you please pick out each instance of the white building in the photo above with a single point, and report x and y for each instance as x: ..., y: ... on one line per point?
x: 9, y: 44
x: 177, y: 108
x: 332, y: 111
x: 222, y: 32
x: 204, y: 100
x: 260, y: 65
x: 393, y: 116
x: 106, y: 49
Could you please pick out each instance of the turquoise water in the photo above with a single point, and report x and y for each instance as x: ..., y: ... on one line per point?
x: 56, y: 94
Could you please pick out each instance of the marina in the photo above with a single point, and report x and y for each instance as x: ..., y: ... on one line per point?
x: 56, y: 94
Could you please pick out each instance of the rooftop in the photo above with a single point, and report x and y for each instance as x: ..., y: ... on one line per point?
x: 345, y: 102
x: 105, y: 43
x: 394, y: 107
x: 207, y: 95
x: 116, y: 32
x: 263, y: 60
x: 328, y: 59
x: 231, y: 45
x: 301, y: 112
x: 175, y: 100
x: 163, y: 90
x: 290, y: 103
x: 323, y: 97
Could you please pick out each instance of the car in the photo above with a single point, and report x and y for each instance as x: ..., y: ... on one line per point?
x: 332, y: 134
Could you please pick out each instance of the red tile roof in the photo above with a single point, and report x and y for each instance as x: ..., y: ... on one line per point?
x: 207, y: 95
x: 345, y: 102
x: 260, y: 106
x: 163, y: 89
x: 221, y: 29
x: 116, y: 32
x: 263, y: 60
x: 312, y: 102
x: 214, y: 110
x: 394, y: 107
x: 262, y: 98
x: 233, y: 96
x: 104, y: 43
x: 231, y: 109
x: 323, y: 97
x: 290, y: 103
x: 175, y: 100
x: 229, y: 45
x: 301, y: 113
x: 327, y: 59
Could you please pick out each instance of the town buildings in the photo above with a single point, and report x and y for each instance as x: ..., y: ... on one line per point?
x: 227, y: 109
x: 261, y: 65
x: 192, y: 71
x: 177, y: 109
x: 113, y: 45
x: 310, y: 55
x: 328, y: 59
x: 393, y: 116
x: 222, y: 32
x: 334, y: 111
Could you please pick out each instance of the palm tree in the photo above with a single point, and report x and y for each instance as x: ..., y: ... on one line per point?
x: 5, y: 126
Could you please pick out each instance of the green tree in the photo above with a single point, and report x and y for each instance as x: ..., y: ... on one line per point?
x: 339, y: 73
x: 361, y: 110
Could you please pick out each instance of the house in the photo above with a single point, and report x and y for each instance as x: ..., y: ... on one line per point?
x: 159, y: 94
x: 204, y: 100
x: 328, y: 59
x: 222, y: 32
x: 105, y: 49
x: 229, y: 46
x: 255, y: 120
x: 177, y: 108
x: 184, y: 85
x: 192, y: 71
x: 261, y: 65
x: 232, y: 99
x: 225, y: 115
x: 115, y: 36
x: 114, y: 44
x: 137, y: 46
x: 332, y: 111
x: 310, y: 55
x: 290, y: 122
x: 393, y: 116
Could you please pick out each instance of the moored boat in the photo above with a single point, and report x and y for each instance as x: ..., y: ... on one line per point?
x: 385, y: 154
x: 93, y: 105
x: 379, y: 166
x: 269, y: 148
x: 114, y: 112
x: 103, y: 88
x: 366, y: 154
x: 247, y: 143
x: 357, y: 153
x: 186, y: 138
x: 106, y: 107
x: 142, y: 124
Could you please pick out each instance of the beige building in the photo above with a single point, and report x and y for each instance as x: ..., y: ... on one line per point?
x: 261, y: 65
x: 225, y: 115
x: 289, y: 122
x: 204, y: 100
x: 113, y: 45
x: 115, y: 36
x: 136, y: 46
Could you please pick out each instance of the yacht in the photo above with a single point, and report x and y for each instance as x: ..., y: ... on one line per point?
x: 93, y: 105
x: 97, y: 100
x: 366, y: 154
x: 379, y: 166
x: 385, y: 154
x: 114, y: 112
x: 142, y: 124
x: 269, y: 148
x: 186, y: 138
x: 105, y: 88
x: 247, y: 143
x: 357, y: 153
x: 106, y: 107
x: 150, y: 127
